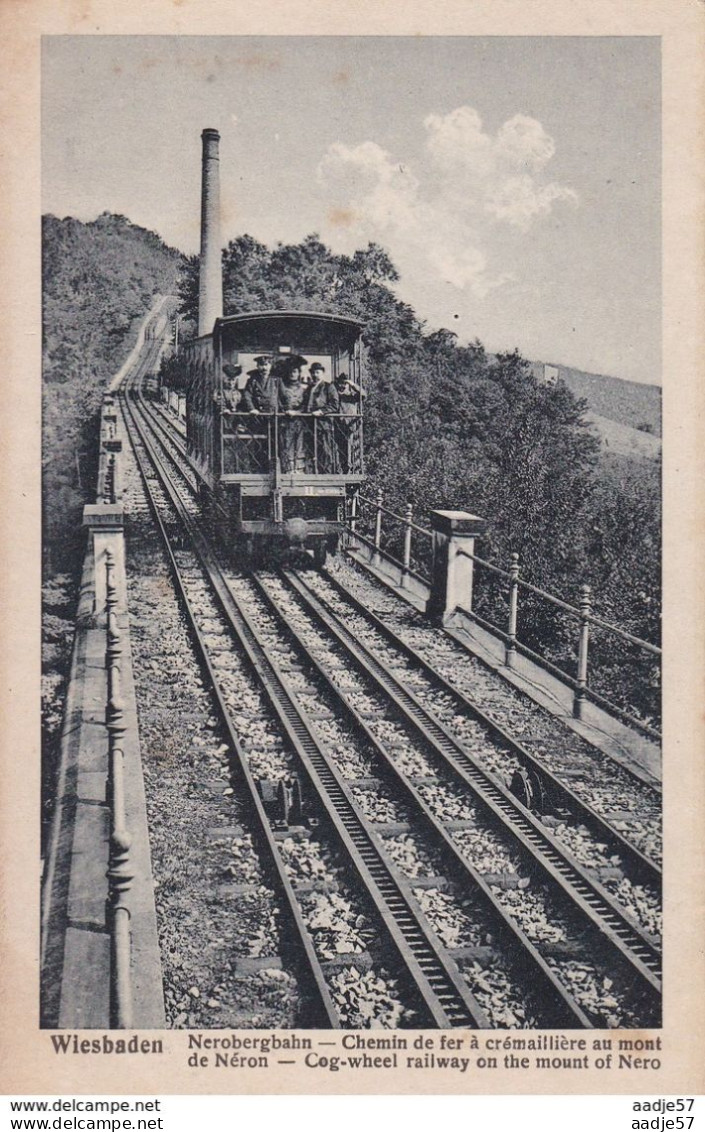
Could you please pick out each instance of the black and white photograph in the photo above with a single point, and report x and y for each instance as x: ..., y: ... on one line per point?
x: 351, y: 537
x: 352, y: 635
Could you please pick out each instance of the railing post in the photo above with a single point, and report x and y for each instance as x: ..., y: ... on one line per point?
x: 105, y: 523
x: 583, y: 643
x: 120, y: 877
x: 511, y: 646
x: 353, y: 514
x: 119, y: 872
x: 113, y: 649
x: 408, y: 515
x: 110, y: 479
x: 115, y: 708
x: 378, y: 527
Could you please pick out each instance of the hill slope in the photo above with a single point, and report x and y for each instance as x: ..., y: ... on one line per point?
x: 98, y: 281
x: 628, y: 403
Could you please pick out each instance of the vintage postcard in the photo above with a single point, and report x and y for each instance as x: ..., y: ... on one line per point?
x: 353, y: 637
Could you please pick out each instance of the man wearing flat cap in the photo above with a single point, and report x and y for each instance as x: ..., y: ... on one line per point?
x: 347, y: 432
x: 322, y: 401
x: 262, y: 387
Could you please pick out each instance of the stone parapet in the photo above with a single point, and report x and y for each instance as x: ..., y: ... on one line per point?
x: 76, y: 941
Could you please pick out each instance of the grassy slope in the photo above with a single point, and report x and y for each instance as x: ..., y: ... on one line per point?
x: 629, y: 403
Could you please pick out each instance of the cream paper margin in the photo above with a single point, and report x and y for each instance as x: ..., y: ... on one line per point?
x: 29, y: 1064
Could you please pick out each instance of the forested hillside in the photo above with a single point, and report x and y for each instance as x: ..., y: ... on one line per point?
x: 630, y: 403
x: 98, y: 280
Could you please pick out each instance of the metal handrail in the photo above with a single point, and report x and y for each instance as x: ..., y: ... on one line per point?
x: 564, y: 605
x: 561, y: 674
x: 390, y: 557
x: 583, y: 614
x: 395, y: 515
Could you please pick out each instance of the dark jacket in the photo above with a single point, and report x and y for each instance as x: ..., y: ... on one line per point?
x: 260, y: 394
x: 323, y: 398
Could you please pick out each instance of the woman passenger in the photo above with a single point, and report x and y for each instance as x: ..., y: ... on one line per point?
x: 292, y: 403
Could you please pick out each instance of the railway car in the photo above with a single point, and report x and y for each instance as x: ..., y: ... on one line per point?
x: 273, y: 478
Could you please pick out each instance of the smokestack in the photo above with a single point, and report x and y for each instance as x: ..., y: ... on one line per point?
x: 210, y: 279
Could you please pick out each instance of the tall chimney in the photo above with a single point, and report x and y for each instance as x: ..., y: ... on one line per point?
x: 210, y: 278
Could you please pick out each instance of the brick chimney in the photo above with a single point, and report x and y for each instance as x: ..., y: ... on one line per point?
x: 210, y: 279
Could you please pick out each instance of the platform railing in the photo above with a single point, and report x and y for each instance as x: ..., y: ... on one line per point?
x: 304, y: 443
x: 399, y: 540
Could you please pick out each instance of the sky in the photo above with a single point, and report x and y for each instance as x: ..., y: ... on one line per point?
x: 514, y: 181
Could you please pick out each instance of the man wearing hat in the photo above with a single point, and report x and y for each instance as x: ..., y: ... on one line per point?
x: 323, y: 400
x: 231, y: 401
x: 261, y: 391
x: 350, y: 400
x: 260, y: 396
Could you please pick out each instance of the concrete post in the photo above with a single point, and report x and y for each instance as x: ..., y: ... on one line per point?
x: 210, y: 279
x: 104, y: 521
x: 451, y: 578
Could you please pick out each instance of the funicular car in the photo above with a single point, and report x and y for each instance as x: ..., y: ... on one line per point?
x: 274, y: 427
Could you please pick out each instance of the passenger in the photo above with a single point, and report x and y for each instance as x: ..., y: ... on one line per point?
x: 261, y: 396
x: 323, y: 400
x: 232, y: 388
x: 261, y: 391
x: 292, y: 403
x: 347, y: 431
x: 235, y: 452
x: 350, y: 395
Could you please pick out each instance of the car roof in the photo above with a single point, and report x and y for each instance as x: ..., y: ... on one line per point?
x: 323, y: 316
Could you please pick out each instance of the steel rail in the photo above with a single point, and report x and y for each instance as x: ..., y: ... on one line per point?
x: 644, y: 866
x: 320, y: 1004
x: 631, y: 943
x: 440, y: 984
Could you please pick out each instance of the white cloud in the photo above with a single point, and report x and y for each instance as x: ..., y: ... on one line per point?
x: 518, y: 200
x: 457, y: 143
x: 376, y: 188
x: 523, y: 143
x: 474, y: 183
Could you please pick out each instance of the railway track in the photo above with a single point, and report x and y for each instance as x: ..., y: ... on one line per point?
x: 550, y: 792
x: 626, y: 802
x: 438, y: 978
x: 429, y: 733
x: 624, y: 875
x: 444, y: 997
x: 621, y: 866
x: 567, y: 776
